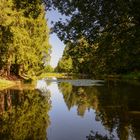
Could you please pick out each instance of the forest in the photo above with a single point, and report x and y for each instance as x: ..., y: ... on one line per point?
x: 101, y: 36
x: 24, y: 38
x: 86, y: 96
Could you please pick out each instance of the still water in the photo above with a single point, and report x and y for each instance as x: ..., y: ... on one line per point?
x: 71, y: 110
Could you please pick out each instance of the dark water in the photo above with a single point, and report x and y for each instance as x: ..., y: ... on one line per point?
x: 107, y: 111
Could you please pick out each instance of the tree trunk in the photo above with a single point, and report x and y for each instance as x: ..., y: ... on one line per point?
x: 8, y: 69
x: 8, y: 66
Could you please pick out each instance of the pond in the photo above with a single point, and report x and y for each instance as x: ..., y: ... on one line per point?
x: 81, y: 109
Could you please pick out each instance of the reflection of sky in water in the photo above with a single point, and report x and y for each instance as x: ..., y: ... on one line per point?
x: 41, y: 85
x: 108, y: 109
x: 66, y: 124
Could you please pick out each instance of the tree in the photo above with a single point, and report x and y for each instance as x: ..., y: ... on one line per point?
x: 7, y: 16
x: 81, y: 53
x: 65, y: 64
x: 24, y: 45
x: 100, y: 16
x: 49, y: 68
x: 113, y: 25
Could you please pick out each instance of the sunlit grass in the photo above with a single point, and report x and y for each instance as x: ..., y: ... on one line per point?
x: 57, y: 75
x: 17, y: 85
x: 6, y: 84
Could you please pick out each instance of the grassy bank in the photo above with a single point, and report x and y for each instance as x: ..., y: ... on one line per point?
x: 57, y: 75
x: 64, y: 75
x: 128, y: 76
x: 18, y: 83
x: 6, y: 83
x: 131, y: 76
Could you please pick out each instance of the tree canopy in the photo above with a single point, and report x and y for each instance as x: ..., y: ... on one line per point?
x: 91, y: 18
x: 24, y: 37
x: 113, y: 26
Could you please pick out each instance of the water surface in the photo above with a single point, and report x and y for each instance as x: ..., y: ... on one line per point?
x: 72, y: 110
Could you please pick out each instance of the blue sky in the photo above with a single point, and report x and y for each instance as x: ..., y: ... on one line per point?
x: 57, y: 45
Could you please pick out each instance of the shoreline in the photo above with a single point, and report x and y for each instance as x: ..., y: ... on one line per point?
x: 17, y: 84
x: 129, y: 76
x: 5, y: 83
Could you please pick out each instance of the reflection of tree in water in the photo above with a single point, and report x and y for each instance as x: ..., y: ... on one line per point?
x: 23, y: 115
x: 96, y: 136
x: 77, y: 96
x: 117, y: 107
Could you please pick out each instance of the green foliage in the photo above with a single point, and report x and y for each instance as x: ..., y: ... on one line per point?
x: 64, y: 64
x: 113, y: 26
x: 48, y: 68
x: 24, y: 45
x: 81, y: 54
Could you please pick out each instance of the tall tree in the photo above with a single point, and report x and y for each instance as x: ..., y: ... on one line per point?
x: 113, y: 25
x: 24, y: 45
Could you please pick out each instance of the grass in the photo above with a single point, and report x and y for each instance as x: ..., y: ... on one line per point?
x: 128, y: 76
x: 17, y: 85
x: 132, y: 76
x: 63, y: 75
x: 57, y: 75
x: 6, y: 84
